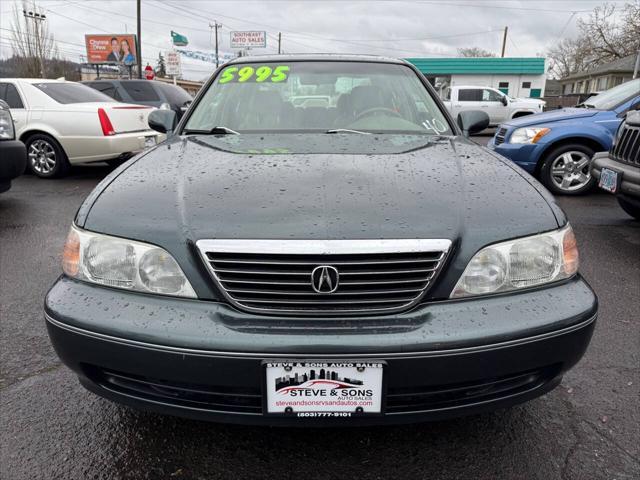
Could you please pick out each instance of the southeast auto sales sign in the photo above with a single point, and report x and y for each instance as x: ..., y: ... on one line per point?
x: 249, y: 39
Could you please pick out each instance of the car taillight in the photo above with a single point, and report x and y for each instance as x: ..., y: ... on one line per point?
x: 105, y: 123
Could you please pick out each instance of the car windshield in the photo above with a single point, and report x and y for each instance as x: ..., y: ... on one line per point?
x: 307, y: 96
x: 69, y: 92
x: 614, y: 96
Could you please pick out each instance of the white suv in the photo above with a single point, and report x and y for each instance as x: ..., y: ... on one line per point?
x: 499, y: 107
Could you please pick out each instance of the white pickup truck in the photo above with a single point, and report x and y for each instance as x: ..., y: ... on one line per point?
x: 499, y: 107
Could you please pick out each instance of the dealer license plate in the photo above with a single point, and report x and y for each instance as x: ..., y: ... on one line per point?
x: 324, y: 389
x: 609, y: 180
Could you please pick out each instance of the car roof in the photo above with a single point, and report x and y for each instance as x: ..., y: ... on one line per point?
x: 35, y: 80
x: 317, y: 57
x: 122, y: 80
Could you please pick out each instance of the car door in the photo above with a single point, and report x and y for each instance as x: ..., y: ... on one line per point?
x: 468, y: 99
x: 492, y: 104
x: 10, y: 94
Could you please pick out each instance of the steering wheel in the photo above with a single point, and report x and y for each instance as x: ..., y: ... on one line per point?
x: 373, y: 110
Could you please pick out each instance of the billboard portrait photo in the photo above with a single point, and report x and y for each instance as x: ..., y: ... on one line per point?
x: 112, y: 49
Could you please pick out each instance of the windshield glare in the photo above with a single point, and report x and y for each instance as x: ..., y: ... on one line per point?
x: 318, y: 96
x: 614, y: 96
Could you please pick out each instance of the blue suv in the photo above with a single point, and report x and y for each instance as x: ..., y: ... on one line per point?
x: 557, y: 146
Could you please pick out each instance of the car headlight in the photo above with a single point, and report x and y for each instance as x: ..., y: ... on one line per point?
x: 528, y: 135
x: 7, y: 131
x: 121, y: 263
x: 522, y: 263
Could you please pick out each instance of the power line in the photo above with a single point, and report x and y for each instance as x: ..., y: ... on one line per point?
x: 502, y: 7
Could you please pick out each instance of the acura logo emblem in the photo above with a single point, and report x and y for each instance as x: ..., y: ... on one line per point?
x: 324, y: 279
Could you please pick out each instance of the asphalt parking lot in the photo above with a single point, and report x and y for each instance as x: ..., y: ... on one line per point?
x: 587, y: 428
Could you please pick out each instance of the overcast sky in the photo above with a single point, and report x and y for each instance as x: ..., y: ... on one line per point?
x: 394, y: 28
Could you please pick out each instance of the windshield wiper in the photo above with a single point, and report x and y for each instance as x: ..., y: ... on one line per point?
x: 214, y: 131
x: 585, y: 105
x: 347, y: 130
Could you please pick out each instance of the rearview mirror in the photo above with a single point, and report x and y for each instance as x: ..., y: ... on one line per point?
x: 472, y: 121
x: 162, y: 121
x: 505, y: 100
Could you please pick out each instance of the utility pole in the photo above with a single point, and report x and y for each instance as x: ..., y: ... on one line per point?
x: 139, y: 52
x: 279, y: 43
x: 37, y: 18
x: 215, y: 27
x: 504, y: 40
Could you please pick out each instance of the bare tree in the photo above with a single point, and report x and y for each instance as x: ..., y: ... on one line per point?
x: 607, y: 39
x: 475, y: 52
x: 31, y: 40
x: 602, y: 39
x: 569, y: 56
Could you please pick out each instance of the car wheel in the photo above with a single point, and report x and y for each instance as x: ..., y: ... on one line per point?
x: 628, y: 207
x: 115, y: 162
x: 46, y: 157
x: 565, y: 170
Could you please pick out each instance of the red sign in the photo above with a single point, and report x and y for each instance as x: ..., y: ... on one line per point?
x: 118, y: 49
x: 149, y: 74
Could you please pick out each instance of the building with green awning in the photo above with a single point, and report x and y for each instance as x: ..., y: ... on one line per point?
x: 515, y: 76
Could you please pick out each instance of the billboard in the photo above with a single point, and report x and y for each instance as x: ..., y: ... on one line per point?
x: 113, y: 49
x: 248, y: 39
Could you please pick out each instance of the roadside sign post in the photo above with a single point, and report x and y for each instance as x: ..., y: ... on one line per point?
x: 149, y: 74
x: 173, y: 64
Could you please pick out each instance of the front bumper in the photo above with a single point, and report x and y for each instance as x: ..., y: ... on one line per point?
x: 204, y: 359
x: 630, y: 184
x: 13, y: 161
x: 523, y: 154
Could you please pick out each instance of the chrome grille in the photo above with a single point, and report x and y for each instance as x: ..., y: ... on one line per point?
x: 500, y: 134
x: 275, y: 276
x: 627, y: 148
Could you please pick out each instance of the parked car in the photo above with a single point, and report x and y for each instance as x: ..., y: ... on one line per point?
x: 499, y: 107
x: 145, y: 92
x: 618, y: 171
x: 13, y: 155
x: 64, y: 123
x: 557, y: 146
x: 377, y: 268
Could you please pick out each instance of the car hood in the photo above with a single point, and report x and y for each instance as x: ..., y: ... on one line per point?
x: 552, y: 116
x: 318, y: 187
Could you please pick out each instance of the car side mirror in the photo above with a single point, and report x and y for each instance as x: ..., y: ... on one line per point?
x: 505, y: 100
x: 162, y: 121
x: 185, y: 106
x: 472, y: 121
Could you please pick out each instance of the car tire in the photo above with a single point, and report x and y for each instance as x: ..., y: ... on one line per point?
x: 45, y: 156
x: 628, y: 207
x: 565, y: 169
x: 115, y: 162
